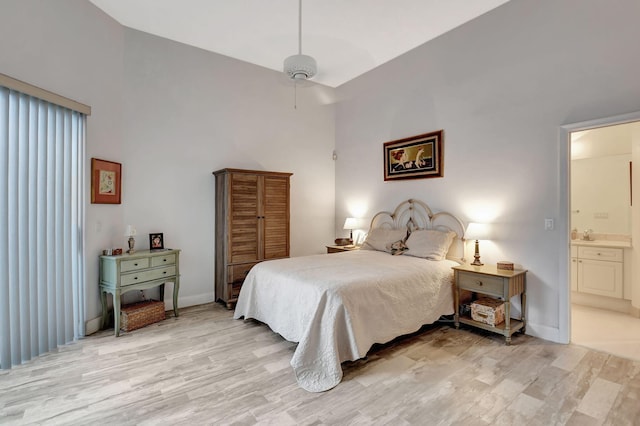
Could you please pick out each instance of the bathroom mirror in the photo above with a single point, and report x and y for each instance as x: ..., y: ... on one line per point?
x: 600, y: 180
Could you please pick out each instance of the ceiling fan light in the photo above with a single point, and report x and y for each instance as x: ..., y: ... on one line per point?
x: 300, y: 67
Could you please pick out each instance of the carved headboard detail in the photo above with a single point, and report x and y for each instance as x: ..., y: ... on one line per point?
x: 414, y: 214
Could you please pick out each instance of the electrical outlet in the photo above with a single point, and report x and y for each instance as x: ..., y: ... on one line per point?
x: 548, y: 224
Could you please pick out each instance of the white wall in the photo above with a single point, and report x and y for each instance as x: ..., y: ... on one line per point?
x: 187, y: 113
x: 172, y: 114
x: 500, y: 87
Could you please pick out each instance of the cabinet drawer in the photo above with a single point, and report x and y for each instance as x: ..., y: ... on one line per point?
x: 150, y: 275
x: 134, y: 264
x: 234, y: 290
x: 600, y: 253
x: 169, y: 259
x: 481, y: 283
x: 237, y: 273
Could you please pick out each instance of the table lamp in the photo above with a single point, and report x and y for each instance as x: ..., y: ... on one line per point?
x: 350, y: 223
x: 477, y: 231
x: 130, y: 232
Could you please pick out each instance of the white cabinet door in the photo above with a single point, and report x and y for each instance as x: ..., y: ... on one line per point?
x: 600, y: 277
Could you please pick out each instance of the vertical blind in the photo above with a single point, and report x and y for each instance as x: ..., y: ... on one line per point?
x: 41, y: 226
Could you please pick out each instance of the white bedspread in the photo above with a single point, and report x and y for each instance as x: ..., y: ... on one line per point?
x: 336, y: 306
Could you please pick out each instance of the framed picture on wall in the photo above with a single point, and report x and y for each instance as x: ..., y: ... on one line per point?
x: 156, y: 241
x: 106, y: 182
x: 415, y: 157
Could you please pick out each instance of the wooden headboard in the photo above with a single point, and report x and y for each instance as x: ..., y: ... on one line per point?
x: 414, y: 214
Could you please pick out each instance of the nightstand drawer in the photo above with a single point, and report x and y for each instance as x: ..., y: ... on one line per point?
x: 169, y: 259
x: 134, y: 264
x: 481, y: 283
x: 150, y: 275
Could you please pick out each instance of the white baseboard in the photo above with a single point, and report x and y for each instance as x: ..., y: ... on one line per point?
x: 602, y: 302
x: 544, y: 332
x: 183, y: 302
x: 92, y: 326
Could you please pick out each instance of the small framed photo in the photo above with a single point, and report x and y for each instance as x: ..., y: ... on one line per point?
x: 416, y: 157
x: 156, y: 241
x: 105, y: 181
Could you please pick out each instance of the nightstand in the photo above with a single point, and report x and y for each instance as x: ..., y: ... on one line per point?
x: 338, y: 249
x: 496, y: 283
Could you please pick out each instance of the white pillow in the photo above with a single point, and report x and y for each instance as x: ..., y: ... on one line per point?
x: 429, y: 244
x: 381, y: 239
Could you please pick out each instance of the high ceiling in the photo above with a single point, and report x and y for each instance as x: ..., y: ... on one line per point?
x: 346, y: 37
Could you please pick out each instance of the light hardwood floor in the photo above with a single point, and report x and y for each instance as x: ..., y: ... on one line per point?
x: 206, y: 368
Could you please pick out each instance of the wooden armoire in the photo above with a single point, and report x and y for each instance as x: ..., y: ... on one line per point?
x: 252, y: 225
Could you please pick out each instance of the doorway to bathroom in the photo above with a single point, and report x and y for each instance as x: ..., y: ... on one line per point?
x: 604, y: 292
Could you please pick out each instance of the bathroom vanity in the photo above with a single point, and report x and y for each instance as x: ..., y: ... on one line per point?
x: 601, y: 268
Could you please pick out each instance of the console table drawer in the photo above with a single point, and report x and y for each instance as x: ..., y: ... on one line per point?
x: 169, y: 259
x: 481, y: 283
x: 134, y: 264
x: 150, y: 275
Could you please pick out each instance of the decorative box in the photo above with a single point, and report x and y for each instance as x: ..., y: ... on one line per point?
x: 505, y: 265
x: 488, y: 311
x: 138, y: 315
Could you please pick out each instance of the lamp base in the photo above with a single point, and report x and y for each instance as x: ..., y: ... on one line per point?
x: 476, y: 256
x: 132, y: 242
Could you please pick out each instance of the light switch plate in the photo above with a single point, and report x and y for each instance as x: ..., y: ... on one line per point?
x: 548, y: 224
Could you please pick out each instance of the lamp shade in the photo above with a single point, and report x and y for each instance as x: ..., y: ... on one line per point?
x: 477, y: 231
x: 131, y: 230
x: 350, y: 223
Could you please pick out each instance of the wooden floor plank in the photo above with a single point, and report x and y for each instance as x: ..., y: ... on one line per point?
x: 207, y: 368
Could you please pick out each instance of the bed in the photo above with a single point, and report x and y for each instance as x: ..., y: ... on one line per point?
x: 336, y: 306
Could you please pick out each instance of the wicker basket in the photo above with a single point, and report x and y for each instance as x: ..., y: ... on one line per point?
x: 138, y: 315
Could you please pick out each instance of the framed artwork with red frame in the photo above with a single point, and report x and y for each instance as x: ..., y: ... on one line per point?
x: 106, y: 182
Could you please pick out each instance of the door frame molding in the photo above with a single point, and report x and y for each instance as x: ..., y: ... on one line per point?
x: 564, y: 151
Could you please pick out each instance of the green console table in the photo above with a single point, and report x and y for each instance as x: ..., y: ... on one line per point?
x: 138, y: 271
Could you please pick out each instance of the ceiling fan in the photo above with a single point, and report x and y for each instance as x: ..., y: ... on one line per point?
x: 300, y: 67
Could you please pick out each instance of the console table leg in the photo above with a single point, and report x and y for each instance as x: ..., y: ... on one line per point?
x: 162, y: 292
x: 507, y: 321
x: 176, y: 287
x: 116, y: 313
x: 523, y: 303
x: 103, y: 301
